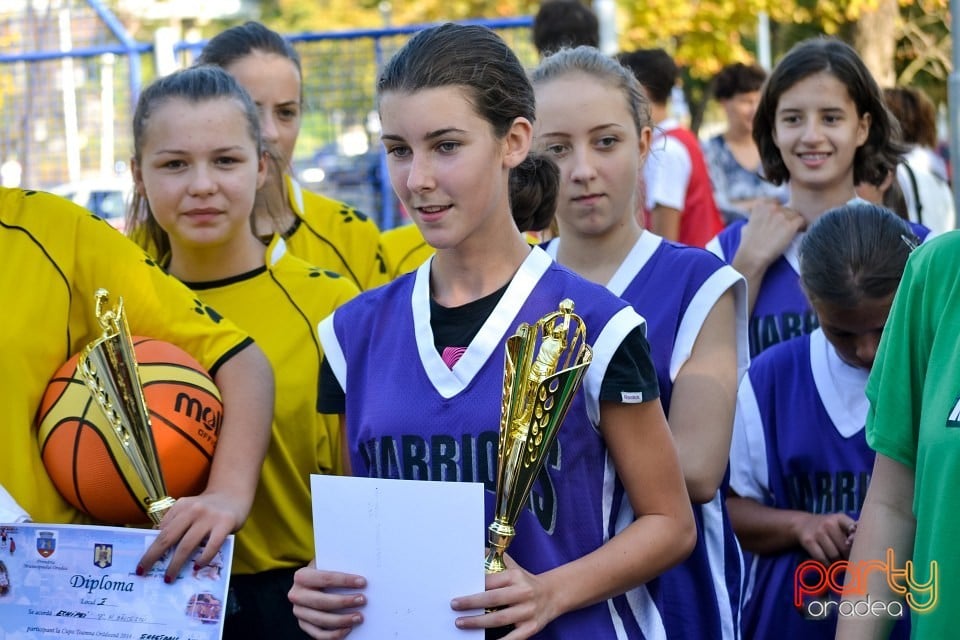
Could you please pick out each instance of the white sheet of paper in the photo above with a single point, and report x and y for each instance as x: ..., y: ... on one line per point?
x: 419, y: 544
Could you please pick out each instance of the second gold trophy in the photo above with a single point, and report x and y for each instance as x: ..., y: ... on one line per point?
x: 544, y: 366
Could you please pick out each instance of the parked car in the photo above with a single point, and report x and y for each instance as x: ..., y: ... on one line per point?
x: 352, y: 179
x: 107, y: 198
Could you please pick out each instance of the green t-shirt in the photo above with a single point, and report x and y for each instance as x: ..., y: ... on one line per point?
x: 914, y: 418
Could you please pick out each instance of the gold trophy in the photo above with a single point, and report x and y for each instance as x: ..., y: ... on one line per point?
x: 109, y: 367
x: 543, y: 368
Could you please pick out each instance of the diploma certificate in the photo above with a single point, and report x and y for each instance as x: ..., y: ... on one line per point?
x: 66, y: 581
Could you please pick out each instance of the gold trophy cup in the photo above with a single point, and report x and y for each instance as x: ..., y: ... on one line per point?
x: 109, y: 367
x: 544, y: 365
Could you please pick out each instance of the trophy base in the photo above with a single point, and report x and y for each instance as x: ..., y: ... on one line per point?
x: 498, y: 632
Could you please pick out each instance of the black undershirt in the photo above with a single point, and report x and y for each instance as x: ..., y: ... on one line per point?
x: 630, y: 370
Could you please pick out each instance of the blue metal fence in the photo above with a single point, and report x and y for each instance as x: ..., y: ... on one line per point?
x: 68, y: 74
x: 69, y: 79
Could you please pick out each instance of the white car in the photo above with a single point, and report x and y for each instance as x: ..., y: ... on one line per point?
x: 107, y: 198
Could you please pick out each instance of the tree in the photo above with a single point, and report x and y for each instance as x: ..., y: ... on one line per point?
x: 877, y: 52
x: 900, y: 40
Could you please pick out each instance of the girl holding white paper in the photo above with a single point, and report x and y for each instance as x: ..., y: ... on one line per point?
x: 416, y: 367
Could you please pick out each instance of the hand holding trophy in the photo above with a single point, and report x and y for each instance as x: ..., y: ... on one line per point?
x: 109, y: 367
x: 538, y: 388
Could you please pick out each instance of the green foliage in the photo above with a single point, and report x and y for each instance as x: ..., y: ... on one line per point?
x: 703, y: 35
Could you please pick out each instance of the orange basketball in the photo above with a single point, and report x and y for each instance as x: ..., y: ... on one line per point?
x: 87, y: 462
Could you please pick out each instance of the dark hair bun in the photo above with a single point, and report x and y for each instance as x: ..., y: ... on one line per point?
x: 533, y: 192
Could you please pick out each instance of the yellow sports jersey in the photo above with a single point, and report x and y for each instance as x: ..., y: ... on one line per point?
x: 333, y: 235
x: 280, y: 305
x: 404, y: 249
x: 54, y: 256
x: 142, y: 240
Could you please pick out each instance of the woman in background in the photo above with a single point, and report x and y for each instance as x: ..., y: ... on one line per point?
x: 733, y: 159
x: 923, y: 174
x: 593, y: 120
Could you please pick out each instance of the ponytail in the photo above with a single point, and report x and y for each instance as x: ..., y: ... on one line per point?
x: 534, y: 184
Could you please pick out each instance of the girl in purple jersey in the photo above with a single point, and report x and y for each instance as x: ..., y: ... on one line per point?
x: 457, y: 114
x: 594, y: 120
x: 800, y: 464
x: 822, y: 127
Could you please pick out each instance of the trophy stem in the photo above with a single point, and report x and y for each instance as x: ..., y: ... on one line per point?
x: 158, y: 508
x: 109, y: 368
x: 500, y: 536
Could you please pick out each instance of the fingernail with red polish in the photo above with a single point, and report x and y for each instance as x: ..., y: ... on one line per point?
x: 167, y: 579
x: 140, y: 571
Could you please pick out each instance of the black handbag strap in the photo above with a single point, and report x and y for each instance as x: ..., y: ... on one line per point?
x: 916, y: 191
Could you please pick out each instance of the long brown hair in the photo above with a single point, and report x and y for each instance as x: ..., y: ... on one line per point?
x: 876, y: 157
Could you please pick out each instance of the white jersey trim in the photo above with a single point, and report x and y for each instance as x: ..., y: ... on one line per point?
x: 841, y: 387
x: 552, y: 247
x: 296, y: 196
x: 792, y: 253
x: 449, y: 382
x: 703, y: 301
x: 749, y: 476
x: 640, y: 602
x: 332, y: 350
x: 633, y: 263
x: 646, y: 613
x: 716, y: 249
x: 276, y: 250
x: 713, y: 542
x: 643, y: 249
x: 606, y: 344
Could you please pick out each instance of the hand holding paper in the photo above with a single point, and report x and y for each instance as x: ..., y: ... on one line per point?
x: 417, y: 544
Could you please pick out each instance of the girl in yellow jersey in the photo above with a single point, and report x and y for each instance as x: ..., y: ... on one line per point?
x: 404, y: 249
x: 322, y: 231
x: 53, y: 257
x: 198, y: 165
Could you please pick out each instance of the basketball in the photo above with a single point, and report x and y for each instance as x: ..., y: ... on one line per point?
x: 85, y: 459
